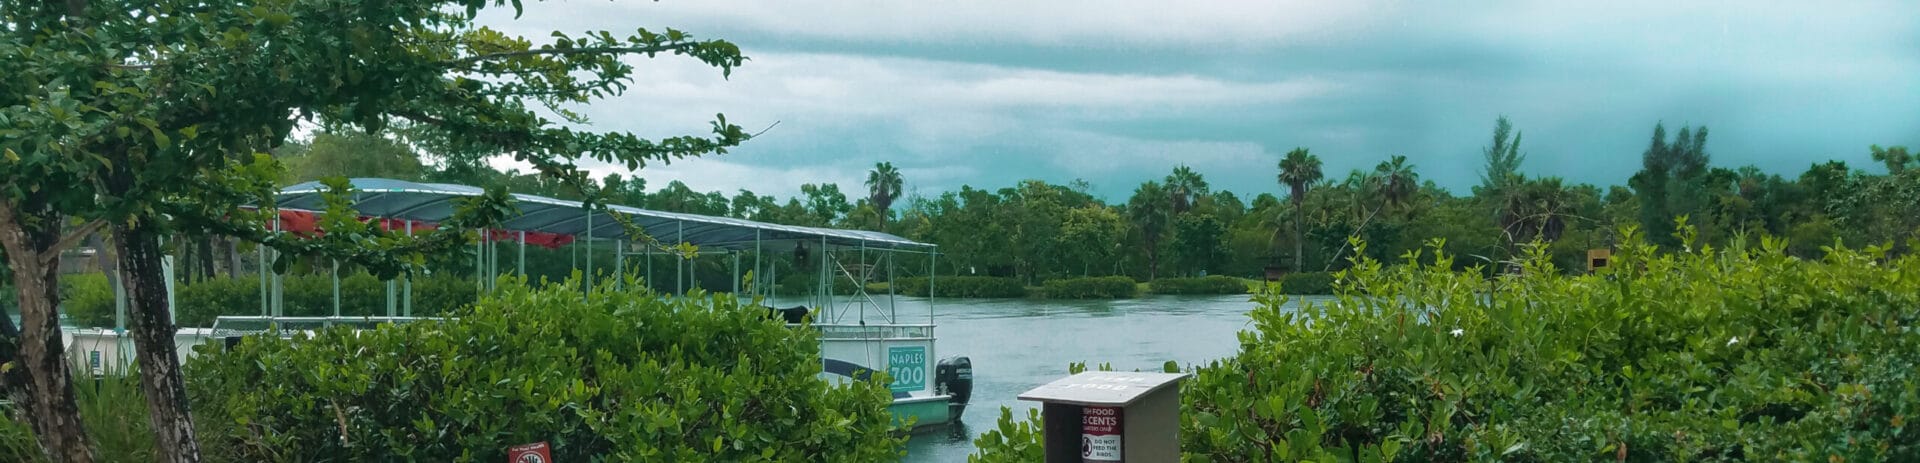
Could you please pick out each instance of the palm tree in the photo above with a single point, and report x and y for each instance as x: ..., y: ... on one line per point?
x: 1395, y: 181
x: 1147, y: 214
x: 883, y: 186
x: 1535, y: 209
x: 1299, y: 170
x: 1183, y: 186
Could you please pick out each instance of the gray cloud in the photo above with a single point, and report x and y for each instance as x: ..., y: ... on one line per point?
x: 1119, y: 92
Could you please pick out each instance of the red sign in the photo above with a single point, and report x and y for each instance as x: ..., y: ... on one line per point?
x: 530, y: 453
x: 1100, y: 434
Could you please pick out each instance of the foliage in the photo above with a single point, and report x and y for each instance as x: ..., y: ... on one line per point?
x: 1212, y: 284
x: 621, y: 375
x: 1011, y: 441
x: 1109, y: 287
x: 1307, y: 283
x: 964, y: 287
x: 1736, y: 354
x: 90, y: 302
x: 1712, y: 355
x: 152, y: 121
x: 87, y: 300
x: 116, y: 414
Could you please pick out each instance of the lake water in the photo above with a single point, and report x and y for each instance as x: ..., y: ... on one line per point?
x: 1018, y: 344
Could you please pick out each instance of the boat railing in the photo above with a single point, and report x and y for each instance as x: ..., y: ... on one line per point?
x: 839, y: 332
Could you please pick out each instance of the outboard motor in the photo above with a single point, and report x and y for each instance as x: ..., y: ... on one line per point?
x: 954, y: 375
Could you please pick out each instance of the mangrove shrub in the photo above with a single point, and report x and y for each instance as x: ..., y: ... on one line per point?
x: 616, y: 375
x: 1738, y: 354
x: 1214, y: 284
x: 1110, y: 287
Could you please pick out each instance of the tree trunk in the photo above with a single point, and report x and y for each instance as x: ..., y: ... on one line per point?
x: 1299, y: 237
x: 52, y: 410
x: 1153, y: 260
x: 205, y: 259
x: 153, y: 337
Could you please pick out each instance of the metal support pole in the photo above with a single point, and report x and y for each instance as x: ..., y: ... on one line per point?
x: 173, y: 309
x: 736, y: 274
x: 522, y: 269
x: 932, y: 258
x: 860, y: 284
x: 680, y: 237
x: 119, y: 304
x: 262, y: 269
x: 826, y: 281
x: 589, y: 252
x: 336, y: 287
x: 279, y: 285
x: 619, y: 263
x: 406, y: 286
x: 392, y: 299
x: 479, y: 265
x: 757, y: 276
x: 893, y: 309
x: 650, y: 285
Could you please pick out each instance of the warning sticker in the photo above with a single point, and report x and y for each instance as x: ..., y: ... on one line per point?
x: 1100, y: 434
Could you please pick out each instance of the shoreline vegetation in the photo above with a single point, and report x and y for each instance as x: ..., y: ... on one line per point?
x: 1735, y: 353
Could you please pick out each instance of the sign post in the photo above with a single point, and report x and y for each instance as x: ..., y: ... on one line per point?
x: 1108, y: 416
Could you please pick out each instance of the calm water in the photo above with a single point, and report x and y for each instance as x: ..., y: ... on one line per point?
x: 1017, y: 344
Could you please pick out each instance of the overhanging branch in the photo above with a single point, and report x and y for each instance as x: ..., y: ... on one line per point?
x: 70, y: 240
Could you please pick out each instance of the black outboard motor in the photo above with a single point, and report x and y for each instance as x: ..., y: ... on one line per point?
x: 954, y: 375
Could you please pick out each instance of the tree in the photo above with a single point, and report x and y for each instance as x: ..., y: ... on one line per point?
x: 1670, y: 183
x: 825, y: 203
x: 1298, y: 171
x: 1395, y: 182
x: 146, y: 123
x: 349, y: 154
x: 1896, y: 158
x: 1147, y: 212
x: 1503, y: 160
x: 1091, y: 235
x: 883, y: 186
x: 1183, y: 187
x: 1197, y: 243
x: 1536, y: 208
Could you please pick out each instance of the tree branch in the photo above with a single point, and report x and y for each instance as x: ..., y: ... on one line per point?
x: 676, y: 46
x: 72, y: 239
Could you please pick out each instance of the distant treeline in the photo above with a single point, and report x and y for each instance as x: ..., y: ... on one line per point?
x: 1036, y: 231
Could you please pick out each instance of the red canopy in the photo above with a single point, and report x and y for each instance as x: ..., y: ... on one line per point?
x: 306, y: 224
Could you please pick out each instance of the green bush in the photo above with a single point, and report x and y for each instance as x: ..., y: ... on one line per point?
x: 87, y: 300
x: 115, y: 413
x: 1110, y: 287
x: 620, y: 375
x: 1307, y: 283
x: 1213, y: 284
x: 964, y: 286
x: 1709, y: 355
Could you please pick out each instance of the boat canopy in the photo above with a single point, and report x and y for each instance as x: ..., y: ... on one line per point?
x: 435, y: 202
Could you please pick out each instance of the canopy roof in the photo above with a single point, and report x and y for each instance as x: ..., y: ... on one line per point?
x: 434, y: 202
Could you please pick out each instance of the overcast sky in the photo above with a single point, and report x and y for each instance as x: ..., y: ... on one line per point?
x: 1118, y: 92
